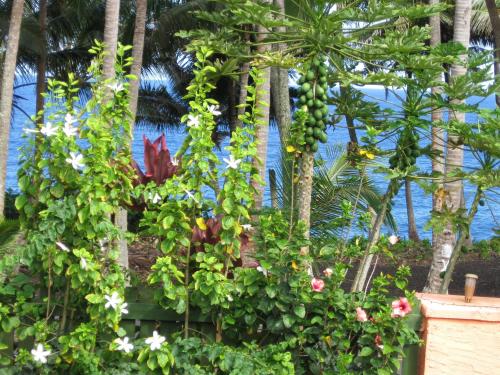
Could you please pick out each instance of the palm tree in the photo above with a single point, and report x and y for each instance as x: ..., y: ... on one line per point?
x: 7, y: 91
x: 452, y: 194
x: 335, y: 180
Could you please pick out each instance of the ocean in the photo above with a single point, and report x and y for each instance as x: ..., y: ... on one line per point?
x: 482, y: 227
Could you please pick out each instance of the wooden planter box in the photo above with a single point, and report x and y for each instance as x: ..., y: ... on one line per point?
x: 459, y: 337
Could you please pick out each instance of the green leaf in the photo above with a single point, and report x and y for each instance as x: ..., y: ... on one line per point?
x: 366, y: 351
x: 288, y: 320
x: 300, y: 311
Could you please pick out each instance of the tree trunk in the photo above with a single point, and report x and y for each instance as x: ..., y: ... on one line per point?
x: 495, y: 24
x: 244, y: 73
x: 280, y: 91
x: 7, y: 92
x: 262, y: 132
x: 460, y: 243
x: 451, y: 195
x: 111, y: 25
x: 305, y: 192
x: 438, y: 163
x: 364, y: 266
x: 137, y: 53
x: 412, y: 226
x: 42, y: 61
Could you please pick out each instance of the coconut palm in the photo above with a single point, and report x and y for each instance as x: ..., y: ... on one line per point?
x: 7, y: 91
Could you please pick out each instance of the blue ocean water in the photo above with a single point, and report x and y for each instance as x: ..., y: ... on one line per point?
x: 481, y: 229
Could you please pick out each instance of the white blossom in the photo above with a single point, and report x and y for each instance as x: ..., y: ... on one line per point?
x: 116, y: 86
x: 193, y: 121
x: 229, y: 298
x: 175, y: 161
x: 75, y: 160
x: 393, y: 239
x: 155, y: 341
x: 40, y: 354
x: 214, y: 110
x: 231, y: 162
x: 156, y: 198
x: 69, y: 130
x: 113, y: 301
x: 262, y: 270
x: 124, y: 345
x: 124, y: 308
x: 83, y: 263
x: 247, y: 227
x: 48, y: 129
x: 62, y: 246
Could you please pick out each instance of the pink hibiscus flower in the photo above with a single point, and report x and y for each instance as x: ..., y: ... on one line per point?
x: 317, y: 284
x: 400, y: 308
x: 361, y: 315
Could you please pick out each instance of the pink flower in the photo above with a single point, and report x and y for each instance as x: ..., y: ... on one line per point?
x: 361, y: 315
x: 317, y: 284
x: 400, y: 308
x: 328, y: 272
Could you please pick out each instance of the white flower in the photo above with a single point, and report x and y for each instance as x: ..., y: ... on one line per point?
x: 229, y: 298
x: 83, y: 263
x: 28, y: 130
x: 262, y: 270
x: 155, y: 341
x: 156, y: 198
x: 175, y: 161
x: 214, y: 110
x: 231, y: 162
x: 75, y: 160
x: 69, y: 119
x: 393, y: 239
x: 113, y: 301
x: 124, y: 308
x: 116, y: 86
x: 48, y: 129
x: 247, y: 227
x: 69, y: 130
x: 62, y: 246
x: 124, y: 345
x: 193, y: 121
x: 40, y: 354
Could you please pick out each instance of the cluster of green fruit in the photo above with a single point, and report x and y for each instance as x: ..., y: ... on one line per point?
x: 313, y: 100
x: 407, y: 151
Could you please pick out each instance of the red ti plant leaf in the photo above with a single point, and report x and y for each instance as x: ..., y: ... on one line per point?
x: 157, y: 162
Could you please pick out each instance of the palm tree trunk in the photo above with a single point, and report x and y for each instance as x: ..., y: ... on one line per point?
x: 495, y: 24
x: 262, y: 132
x: 111, y: 24
x: 412, y: 226
x: 438, y: 163
x: 42, y: 60
x: 137, y: 53
x: 452, y: 194
x: 7, y: 92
